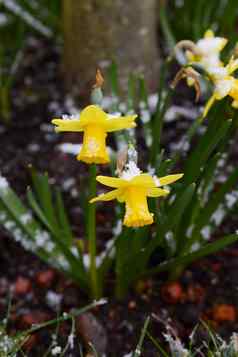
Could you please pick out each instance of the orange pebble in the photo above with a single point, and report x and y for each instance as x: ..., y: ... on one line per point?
x: 224, y: 312
x: 22, y: 286
x: 45, y: 278
x: 172, y: 292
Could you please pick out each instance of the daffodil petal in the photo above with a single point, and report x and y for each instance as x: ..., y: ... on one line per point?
x: 157, y: 192
x: 209, y: 34
x: 166, y: 180
x: 67, y: 125
x: 235, y: 104
x: 120, y: 123
x: 232, y: 65
x: 190, y: 56
x: 105, y: 196
x: 223, y: 87
x: 111, y: 181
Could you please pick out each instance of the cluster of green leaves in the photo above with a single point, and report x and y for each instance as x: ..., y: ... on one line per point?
x: 184, y: 221
x: 214, y: 346
x: 19, y: 19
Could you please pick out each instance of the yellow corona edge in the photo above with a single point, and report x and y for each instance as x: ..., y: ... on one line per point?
x: 224, y: 84
x: 95, y: 124
x: 134, y: 190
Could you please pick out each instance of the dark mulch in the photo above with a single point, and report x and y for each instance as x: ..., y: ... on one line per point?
x: 207, y: 290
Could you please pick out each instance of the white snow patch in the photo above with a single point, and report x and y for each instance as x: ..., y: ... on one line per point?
x: 206, y: 232
x: 131, y: 170
x: 53, y: 299
x: 218, y: 215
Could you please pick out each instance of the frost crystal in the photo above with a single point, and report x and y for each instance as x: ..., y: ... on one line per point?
x: 231, y: 198
x: 9, y: 225
x: 169, y: 236
x: 175, y: 112
x: 145, y: 116
x: 75, y: 116
x: 190, y: 231
x: 61, y: 262
x: 195, y: 246
x: 206, y: 232
x: 102, y: 301
x: 53, y: 300
x: 176, y: 346
x: 3, y: 19
x: 234, y: 341
x: 56, y: 350
x: 71, y: 341
x: 218, y: 215
x: 118, y: 228
x: 43, y: 240
x: 26, y: 218
x: 131, y: 170
x: 68, y: 148
x: 3, y: 183
x: 153, y: 100
x: 114, y: 115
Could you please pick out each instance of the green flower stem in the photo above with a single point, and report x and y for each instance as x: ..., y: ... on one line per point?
x: 91, y: 234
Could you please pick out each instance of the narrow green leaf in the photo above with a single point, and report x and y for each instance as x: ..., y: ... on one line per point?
x: 63, y: 219
x: 208, y: 249
x: 205, y: 147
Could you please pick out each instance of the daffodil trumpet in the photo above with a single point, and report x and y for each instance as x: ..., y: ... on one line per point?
x: 133, y: 188
x: 95, y: 125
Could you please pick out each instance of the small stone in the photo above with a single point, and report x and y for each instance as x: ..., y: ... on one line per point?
x: 196, y: 293
x: 45, y: 278
x: 4, y: 286
x: 131, y: 305
x: 172, y: 292
x: 216, y: 267
x: 224, y: 313
x: 92, y: 332
x: 22, y: 286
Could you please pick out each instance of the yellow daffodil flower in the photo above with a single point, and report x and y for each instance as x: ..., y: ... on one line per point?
x: 225, y: 84
x: 133, y: 188
x: 207, y: 51
x: 95, y: 124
